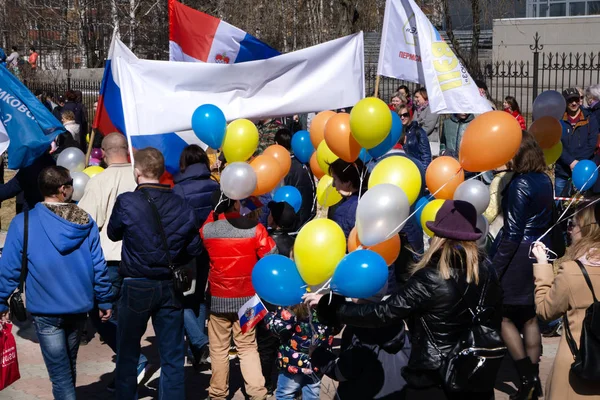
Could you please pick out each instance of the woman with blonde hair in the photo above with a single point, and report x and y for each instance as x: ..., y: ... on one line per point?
x: 568, y: 294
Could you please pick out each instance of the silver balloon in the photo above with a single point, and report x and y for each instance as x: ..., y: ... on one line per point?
x: 80, y: 181
x: 238, y: 180
x: 484, y: 226
x: 72, y: 159
x: 474, y: 192
x: 381, y: 213
x: 549, y: 103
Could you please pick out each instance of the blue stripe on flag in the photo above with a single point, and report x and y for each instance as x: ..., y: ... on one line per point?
x: 169, y: 144
x: 112, y: 99
x: 253, y: 49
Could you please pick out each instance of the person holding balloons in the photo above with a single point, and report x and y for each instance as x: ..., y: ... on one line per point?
x: 434, y: 301
x: 511, y: 106
x: 415, y: 139
x: 429, y: 121
x: 453, y: 130
x: 282, y: 220
x: 527, y: 207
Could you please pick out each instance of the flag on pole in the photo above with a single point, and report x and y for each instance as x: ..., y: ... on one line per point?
x: 412, y: 49
x: 196, y: 36
x: 25, y: 123
x: 251, y: 313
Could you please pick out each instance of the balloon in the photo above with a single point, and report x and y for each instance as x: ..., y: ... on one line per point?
x: 276, y: 279
x: 553, y: 154
x: 399, y: 171
x: 238, y: 180
x: 585, y: 174
x: 364, y: 156
x: 319, y: 247
x: 490, y: 141
x: 240, y: 141
x: 327, y: 196
x: 315, y: 168
x: 381, y: 213
x: 389, y: 250
x: 339, y: 138
x: 325, y: 156
x: 94, y: 161
x: 391, y: 139
x: 443, y: 176
x: 93, y: 171
x: 72, y: 159
x: 290, y: 195
x: 474, y: 192
x: 429, y: 213
x: 282, y: 156
x: 302, y: 146
x: 361, y: 274
x: 419, y: 205
x: 80, y: 181
x: 268, y: 174
x: 317, y: 127
x: 547, y: 131
x: 370, y: 122
x: 209, y: 125
x: 484, y: 226
x: 96, y: 153
x: 549, y: 104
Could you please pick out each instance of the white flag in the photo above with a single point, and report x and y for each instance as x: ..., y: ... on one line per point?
x: 4, y: 140
x: 413, y: 50
x: 161, y: 96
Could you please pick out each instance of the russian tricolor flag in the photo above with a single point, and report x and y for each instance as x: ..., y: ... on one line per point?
x: 196, y: 36
x: 251, y: 313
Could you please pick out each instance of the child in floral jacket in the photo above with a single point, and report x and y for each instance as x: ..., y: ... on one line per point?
x: 298, y: 331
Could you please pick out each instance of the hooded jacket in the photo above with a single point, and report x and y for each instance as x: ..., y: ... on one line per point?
x: 195, y: 186
x: 452, y: 134
x: 579, y: 142
x: 67, y: 271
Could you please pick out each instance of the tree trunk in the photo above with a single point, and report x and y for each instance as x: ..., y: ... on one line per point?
x: 474, y: 56
x: 114, y: 15
x: 131, y: 24
x: 284, y: 22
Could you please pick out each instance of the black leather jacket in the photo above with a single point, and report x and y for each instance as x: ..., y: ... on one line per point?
x: 428, y: 297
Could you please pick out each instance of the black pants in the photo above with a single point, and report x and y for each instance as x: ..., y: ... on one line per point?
x: 268, y: 345
x: 439, y: 394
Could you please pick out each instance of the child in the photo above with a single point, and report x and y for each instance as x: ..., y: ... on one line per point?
x: 68, y: 120
x: 298, y: 331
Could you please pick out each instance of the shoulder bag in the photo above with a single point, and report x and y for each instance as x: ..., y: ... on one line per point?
x: 16, y: 303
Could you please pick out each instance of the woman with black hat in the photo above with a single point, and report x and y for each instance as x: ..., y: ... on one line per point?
x: 435, y: 302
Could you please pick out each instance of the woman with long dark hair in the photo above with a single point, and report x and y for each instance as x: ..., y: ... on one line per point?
x: 512, y: 107
x: 527, y: 209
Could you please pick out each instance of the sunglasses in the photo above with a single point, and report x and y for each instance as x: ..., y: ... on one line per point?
x: 574, y: 100
x: 571, y: 225
x: 405, y: 115
x: 68, y: 183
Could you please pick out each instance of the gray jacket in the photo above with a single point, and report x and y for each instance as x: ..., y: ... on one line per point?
x: 430, y: 122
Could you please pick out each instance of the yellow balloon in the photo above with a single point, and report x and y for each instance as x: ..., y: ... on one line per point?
x: 553, y: 153
x: 327, y: 196
x: 325, y: 156
x: 93, y: 171
x: 241, y: 140
x: 320, y: 246
x: 399, y: 171
x: 429, y: 213
x: 370, y: 122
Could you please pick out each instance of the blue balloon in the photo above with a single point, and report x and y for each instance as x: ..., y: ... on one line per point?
x: 290, y: 195
x: 585, y: 175
x: 302, y: 146
x: 364, y: 156
x: 209, y: 124
x: 361, y: 274
x: 419, y: 205
x: 391, y: 139
x: 277, y: 280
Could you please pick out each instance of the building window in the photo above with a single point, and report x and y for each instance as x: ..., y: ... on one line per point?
x: 577, y: 8
x: 593, y: 7
x: 558, y: 10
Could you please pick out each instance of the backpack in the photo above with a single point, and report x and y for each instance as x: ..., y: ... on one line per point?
x: 587, y: 363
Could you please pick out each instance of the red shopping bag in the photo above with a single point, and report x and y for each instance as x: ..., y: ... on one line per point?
x: 9, y: 368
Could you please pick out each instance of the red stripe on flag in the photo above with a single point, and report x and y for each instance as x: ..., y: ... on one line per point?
x: 192, y: 30
x: 253, y: 321
x: 102, y: 121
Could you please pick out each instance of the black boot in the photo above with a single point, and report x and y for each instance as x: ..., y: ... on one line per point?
x: 538, y: 392
x: 529, y: 380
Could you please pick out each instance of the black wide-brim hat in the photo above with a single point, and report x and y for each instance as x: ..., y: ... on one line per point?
x: 456, y: 220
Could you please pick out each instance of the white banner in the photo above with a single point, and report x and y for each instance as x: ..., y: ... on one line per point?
x: 413, y: 50
x: 4, y: 140
x: 161, y: 96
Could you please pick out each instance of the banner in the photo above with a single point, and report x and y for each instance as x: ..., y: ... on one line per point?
x: 25, y: 121
x: 161, y: 96
x: 412, y: 49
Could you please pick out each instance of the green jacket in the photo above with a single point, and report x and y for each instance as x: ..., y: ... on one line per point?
x: 452, y: 134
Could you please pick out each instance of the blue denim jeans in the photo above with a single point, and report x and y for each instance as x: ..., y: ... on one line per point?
x: 562, y: 187
x: 142, y: 299
x: 59, y: 337
x: 288, y: 385
x: 194, y: 327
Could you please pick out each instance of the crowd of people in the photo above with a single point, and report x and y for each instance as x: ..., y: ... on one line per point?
x: 118, y: 257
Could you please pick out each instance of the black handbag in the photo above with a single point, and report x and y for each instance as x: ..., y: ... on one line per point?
x: 473, y: 363
x: 182, y: 279
x: 16, y: 303
x: 587, y: 363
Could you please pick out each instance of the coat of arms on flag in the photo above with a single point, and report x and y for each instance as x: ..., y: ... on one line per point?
x: 251, y: 313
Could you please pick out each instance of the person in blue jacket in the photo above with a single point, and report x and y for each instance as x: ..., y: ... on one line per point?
x: 415, y: 139
x: 66, y: 275
x: 195, y: 185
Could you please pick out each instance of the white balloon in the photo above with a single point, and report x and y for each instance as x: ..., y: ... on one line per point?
x: 484, y: 226
x: 475, y: 192
x: 238, y: 180
x: 549, y: 104
x: 381, y: 213
x: 80, y: 181
x: 72, y: 159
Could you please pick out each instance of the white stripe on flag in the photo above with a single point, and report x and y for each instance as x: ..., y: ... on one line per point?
x: 177, y: 54
x: 226, y: 44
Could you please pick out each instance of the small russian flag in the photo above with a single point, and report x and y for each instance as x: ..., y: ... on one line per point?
x: 251, y: 313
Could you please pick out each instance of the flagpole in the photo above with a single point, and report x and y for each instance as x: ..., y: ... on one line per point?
x: 377, y: 85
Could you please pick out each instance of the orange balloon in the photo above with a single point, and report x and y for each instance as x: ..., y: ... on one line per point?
x: 315, y: 168
x: 282, y: 156
x: 547, y: 131
x: 389, y: 250
x: 339, y: 139
x: 444, y: 172
x: 490, y: 141
x: 317, y: 127
x: 268, y: 174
